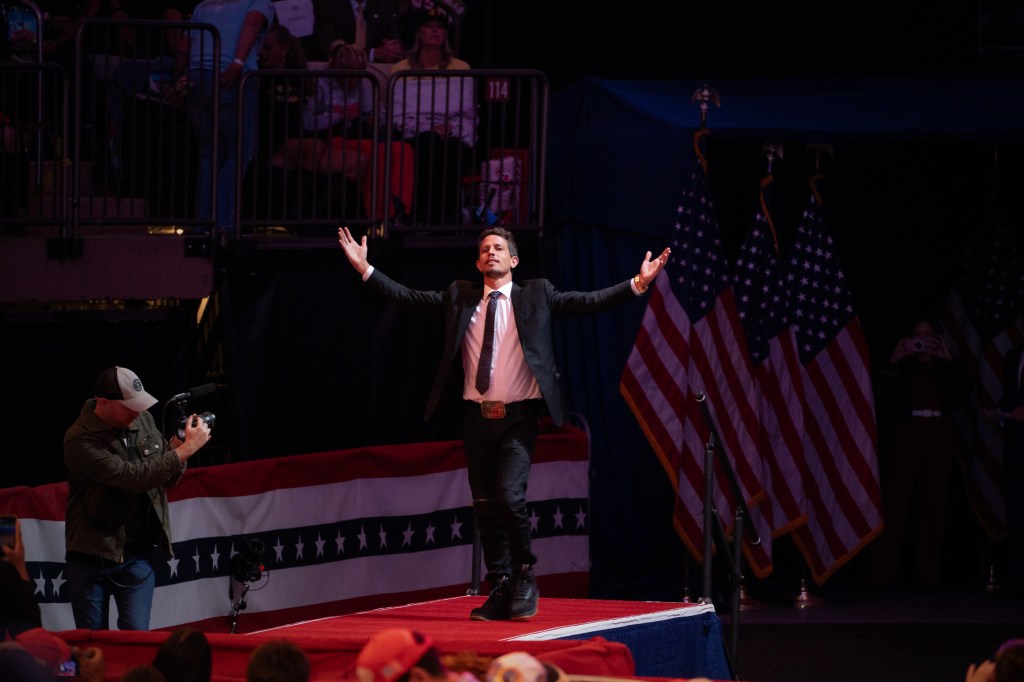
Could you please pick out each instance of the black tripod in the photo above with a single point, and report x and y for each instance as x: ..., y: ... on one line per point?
x: 239, y: 604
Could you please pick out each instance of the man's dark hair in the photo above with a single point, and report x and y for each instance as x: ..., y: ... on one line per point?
x: 1010, y: 661
x: 430, y: 662
x: 185, y: 657
x: 143, y: 673
x: 499, y: 231
x: 278, y: 661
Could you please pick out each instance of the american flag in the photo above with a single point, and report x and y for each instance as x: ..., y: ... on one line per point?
x: 840, y: 443
x: 762, y: 296
x: 983, y: 321
x: 691, y: 341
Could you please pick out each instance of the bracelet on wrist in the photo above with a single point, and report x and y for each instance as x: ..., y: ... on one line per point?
x: 640, y: 286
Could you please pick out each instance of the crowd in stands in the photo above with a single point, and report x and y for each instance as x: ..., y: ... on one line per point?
x: 406, y: 157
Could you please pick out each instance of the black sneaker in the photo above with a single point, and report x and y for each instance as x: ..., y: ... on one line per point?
x: 524, y: 594
x: 497, y: 605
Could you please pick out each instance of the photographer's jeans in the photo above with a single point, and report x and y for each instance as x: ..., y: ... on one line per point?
x: 93, y: 581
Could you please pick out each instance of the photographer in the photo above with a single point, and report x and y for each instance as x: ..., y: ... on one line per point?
x: 117, y: 526
x: 917, y: 395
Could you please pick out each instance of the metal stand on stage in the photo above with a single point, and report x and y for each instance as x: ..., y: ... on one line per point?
x: 714, y: 534
x: 246, y: 568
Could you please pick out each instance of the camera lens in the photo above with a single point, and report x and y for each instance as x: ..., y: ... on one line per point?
x: 918, y: 345
x: 209, y: 418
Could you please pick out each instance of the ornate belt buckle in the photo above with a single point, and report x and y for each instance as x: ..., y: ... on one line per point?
x: 492, y: 409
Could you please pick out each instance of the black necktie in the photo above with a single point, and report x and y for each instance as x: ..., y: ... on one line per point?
x: 483, y: 369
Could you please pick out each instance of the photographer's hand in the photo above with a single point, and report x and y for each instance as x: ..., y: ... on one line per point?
x: 197, y: 433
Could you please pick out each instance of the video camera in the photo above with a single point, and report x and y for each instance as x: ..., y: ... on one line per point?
x: 208, y: 417
x: 181, y: 403
x: 247, y: 565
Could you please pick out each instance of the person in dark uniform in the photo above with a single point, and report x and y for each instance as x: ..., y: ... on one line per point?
x: 918, y: 393
x: 1011, y: 405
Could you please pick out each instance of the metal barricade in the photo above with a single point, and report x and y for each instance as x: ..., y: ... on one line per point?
x: 438, y: 151
x: 135, y: 150
x: 318, y: 159
x: 477, y: 139
x: 33, y: 162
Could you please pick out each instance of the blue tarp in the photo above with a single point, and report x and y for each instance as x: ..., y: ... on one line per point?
x: 611, y: 140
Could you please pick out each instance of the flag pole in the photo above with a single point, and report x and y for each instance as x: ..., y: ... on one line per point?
x: 705, y: 96
x: 771, y: 150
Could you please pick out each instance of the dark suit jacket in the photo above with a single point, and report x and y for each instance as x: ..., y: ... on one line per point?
x: 1013, y: 396
x: 533, y: 305
x: 334, y: 19
x: 1013, y: 392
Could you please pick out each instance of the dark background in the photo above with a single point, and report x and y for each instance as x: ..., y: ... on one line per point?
x: 307, y: 362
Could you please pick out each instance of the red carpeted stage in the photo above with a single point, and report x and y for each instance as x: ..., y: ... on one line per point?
x: 582, y: 636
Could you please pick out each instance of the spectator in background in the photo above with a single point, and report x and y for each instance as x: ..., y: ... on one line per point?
x: 407, y: 11
x: 277, y: 661
x: 33, y: 653
x: 1008, y: 665
x: 437, y: 115
x: 340, y: 120
x: 522, y: 667
x: 269, y: 192
x: 138, y: 68
x: 282, y: 99
x: 143, y: 673
x: 402, y: 654
x: 185, y: 656
x: 340, y: 20
x: 18, y: 608
x: 918, y: 394
x: 241, y: 23
x: 1011, y: 406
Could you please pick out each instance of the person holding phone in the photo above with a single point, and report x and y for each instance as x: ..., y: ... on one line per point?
x: 917, y: 396
x: 117, y: 525
x: 18, y: 609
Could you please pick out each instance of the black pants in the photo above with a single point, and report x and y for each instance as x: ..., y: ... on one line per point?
x: 498, y: 456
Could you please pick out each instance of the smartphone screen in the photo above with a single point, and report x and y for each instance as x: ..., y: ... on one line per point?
x: 68, y: 668
x: 7, y: 529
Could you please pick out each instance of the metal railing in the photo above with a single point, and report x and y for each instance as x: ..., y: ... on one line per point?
x: 487, y: 164
x: 133, y: 134
x: 437, y: 152
x: 317, y: 159
x: 33, y: 133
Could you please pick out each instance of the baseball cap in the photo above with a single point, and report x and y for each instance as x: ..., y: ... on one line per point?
x: 18, y: 665
x: 425, y: 15
x: 122, y: 384
x: 49, y: 649
x: 390, y: 654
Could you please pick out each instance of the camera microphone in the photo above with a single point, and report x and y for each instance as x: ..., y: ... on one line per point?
x: 194, y: 392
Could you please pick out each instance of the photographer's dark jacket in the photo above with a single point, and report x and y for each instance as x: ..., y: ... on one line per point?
x: 117, y: 503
